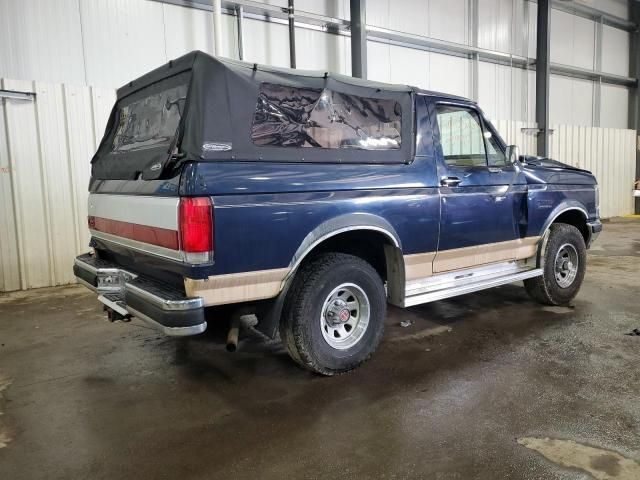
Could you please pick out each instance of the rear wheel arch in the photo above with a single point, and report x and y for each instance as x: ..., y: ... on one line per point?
x: 382, y: 249
x: 376, y: 242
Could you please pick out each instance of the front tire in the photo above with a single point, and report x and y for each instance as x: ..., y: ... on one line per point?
x: 333, y: 317
x: 565, y: 263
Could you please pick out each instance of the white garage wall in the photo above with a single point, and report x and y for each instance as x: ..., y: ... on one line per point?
x: 607, y: 152
x: 507, y: 93
x: 428, y: 70
x: 615, y: 101
x: 503, y: 25
x: 573, y: 40
x: 41, y: 40
x: 105, y: 43
x: 45, y: 148
x: 442, y: 19
x: 619, y: 8
x: 571, y: 101
x: 616, y: 45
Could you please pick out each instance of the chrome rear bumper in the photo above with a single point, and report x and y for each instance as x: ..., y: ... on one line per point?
x: 127, y: 293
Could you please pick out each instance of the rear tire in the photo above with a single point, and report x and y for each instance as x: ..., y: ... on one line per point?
x: 565, y: 263
x: 333, y: 318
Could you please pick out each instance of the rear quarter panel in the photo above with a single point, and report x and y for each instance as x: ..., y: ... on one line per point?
x: 263, y: 212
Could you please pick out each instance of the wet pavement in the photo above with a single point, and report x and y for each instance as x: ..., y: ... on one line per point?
x: 490, y: 385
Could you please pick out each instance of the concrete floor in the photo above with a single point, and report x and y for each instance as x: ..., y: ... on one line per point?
x: 489, y: 385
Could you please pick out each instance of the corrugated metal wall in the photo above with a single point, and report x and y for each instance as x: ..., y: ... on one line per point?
x: 46, y: 145
x: 607, y: 152
x: 519, y: 133
x: 109, y: 42
x: 45, y: 148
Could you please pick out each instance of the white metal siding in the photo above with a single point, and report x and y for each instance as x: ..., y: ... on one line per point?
x: 518, y: 133
x: 429, y: 70
x: 615, y: 48
x: 106, y: 43
x: 121, y: 33
x: 607, y: 152
x: 41, y: 40
x: 572, y: 40
x: 615, y: 106
x: 570, y: 101
x: 619, y: 8
x: 45, y: 150
x: 442, y: 19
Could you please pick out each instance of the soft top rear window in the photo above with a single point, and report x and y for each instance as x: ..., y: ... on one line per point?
x: 151, y: 120
x: 321, y: 118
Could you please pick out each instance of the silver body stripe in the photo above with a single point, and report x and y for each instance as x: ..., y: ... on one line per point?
x: 161, y: 212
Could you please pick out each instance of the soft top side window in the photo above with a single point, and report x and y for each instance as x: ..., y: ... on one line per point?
x: 151, y: 121
x: 321, y: 118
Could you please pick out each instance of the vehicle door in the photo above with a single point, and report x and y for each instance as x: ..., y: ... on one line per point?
x: 480, y: 193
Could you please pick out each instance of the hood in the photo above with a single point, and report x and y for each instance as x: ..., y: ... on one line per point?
x: 546, y: 170
x: 548, y: 163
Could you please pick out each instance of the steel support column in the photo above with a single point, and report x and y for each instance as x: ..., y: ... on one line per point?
x: 358, y: 10
x: 475, y: 57
x: 597, y: 87
x: 240, y: 28
x: 217, y: 26
x: 634, y: 97
x: 292, y: 36
x: 543, y: 66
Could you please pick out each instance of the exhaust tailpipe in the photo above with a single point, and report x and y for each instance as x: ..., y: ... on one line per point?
x: 242, y: 317
x: 234, y: 332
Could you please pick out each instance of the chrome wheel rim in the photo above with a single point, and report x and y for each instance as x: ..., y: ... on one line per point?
x: 566, y: 265
x: 345, y: 316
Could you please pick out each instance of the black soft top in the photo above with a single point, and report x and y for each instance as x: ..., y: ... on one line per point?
x: 216, y: 120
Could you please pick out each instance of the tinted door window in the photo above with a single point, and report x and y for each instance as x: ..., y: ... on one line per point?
x: 461, y: 136
x: 495, y: 155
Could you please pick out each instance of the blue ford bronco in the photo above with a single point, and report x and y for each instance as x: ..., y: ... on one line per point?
x: 310, y: 200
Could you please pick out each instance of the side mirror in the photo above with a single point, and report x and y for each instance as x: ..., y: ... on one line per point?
x: 513, y: 154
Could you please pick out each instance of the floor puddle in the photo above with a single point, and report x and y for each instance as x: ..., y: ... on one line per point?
x: 600, y: 463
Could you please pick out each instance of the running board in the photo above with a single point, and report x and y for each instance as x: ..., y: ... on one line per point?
x: 481, y: 284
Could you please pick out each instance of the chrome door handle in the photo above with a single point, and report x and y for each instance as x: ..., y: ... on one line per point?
x: 495, y: 170
x: 450, y: 181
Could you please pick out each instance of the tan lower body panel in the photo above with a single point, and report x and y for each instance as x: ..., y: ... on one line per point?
x: 250, y: 286
x: 418, y: 265
x: 421, y: 265
x: 237, y: 287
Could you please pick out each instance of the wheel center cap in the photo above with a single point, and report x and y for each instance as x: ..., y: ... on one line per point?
x: 344, y: 315
x: 338, y: 313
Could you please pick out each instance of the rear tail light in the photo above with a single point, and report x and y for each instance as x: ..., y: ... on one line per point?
x: 196, y: 229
